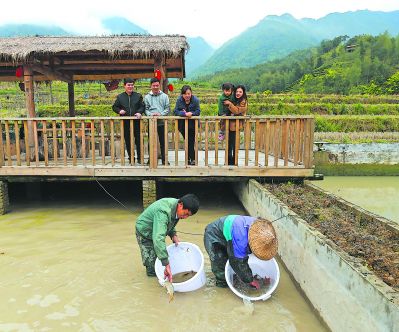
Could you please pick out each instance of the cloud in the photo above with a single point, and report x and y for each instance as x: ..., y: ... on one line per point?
x: 216, y: 21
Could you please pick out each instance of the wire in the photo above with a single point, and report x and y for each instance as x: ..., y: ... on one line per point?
x: 110, y: 195
x: 118, y: 201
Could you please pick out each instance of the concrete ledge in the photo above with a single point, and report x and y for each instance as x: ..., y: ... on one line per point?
x: 347, y: 295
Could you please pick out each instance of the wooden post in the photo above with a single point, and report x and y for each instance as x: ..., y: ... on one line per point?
x: 149, y: 192
x: 160, y: 64
x: 71, y: 99
x: 29, y: 91
x: 4, y: 200
x: 30, y: 105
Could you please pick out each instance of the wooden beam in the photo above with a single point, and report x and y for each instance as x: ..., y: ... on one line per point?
x: 51, y: 74
x: 128, y: 171
x: 96, y: 77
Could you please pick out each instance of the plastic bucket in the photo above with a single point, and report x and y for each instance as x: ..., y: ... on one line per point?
x: 182, y: 258
x: 263, y: 269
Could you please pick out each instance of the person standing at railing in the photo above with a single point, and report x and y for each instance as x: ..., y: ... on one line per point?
x: 239, y: 108
x: 130, y: 103
x: 188, y: 105
x: 157, y: 104
x: 158, y: 221
x: 223, y: 110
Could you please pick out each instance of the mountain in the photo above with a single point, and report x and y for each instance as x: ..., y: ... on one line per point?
x: 118, y: 25
x: 361, y: 64
x: 199, y: 52
x: 18, y: 30
x: 276, y: 36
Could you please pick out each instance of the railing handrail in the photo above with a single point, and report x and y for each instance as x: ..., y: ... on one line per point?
x: 163, y: 117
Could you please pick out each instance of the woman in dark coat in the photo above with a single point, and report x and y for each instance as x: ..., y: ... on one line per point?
x: 187, y: 105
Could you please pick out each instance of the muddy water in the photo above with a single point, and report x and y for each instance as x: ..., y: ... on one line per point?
x: 378, y: 194
x: 75, y: 266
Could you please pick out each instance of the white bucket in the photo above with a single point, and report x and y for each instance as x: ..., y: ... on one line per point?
x: 182, y: 258
x: 263, y: 269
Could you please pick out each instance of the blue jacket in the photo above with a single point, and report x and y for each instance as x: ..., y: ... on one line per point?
x: 181, y: 108
x: 193, y: 107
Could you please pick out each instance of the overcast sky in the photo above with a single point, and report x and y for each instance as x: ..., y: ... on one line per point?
x: 215, y: 20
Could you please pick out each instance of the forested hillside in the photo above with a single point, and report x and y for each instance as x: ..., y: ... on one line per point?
x: 277, y: 36
x: 362, y: 64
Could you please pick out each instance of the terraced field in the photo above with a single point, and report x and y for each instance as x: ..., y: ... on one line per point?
x: 338, y: 118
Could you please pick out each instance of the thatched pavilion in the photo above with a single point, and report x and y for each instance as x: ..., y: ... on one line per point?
x: 71, y: 59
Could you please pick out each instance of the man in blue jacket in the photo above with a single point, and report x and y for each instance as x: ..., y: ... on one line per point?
x: 233, y: 238
x: 157, y: 104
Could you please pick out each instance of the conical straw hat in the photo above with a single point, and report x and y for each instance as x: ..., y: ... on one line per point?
x: 262, y: 239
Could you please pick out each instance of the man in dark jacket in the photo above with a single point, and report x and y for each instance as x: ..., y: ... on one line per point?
x: 130, y: 103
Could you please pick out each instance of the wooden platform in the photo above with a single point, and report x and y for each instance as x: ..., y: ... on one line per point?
x: 267, y: 147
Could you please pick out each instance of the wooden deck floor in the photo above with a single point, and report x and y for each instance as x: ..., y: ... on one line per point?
x: 109, y: 168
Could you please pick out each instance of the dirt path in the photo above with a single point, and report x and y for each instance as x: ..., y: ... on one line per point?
x: 374, y: 243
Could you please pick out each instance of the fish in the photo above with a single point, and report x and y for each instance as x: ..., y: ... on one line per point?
x: 169, y: 290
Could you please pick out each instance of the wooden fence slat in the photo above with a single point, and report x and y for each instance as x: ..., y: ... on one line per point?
x: 132, y: 143
x: 64, y: 141
x: 206, y: 141
x: 226, y: 142
x: 8, y: 143
x: 27, y: 147
x: 45, y: 141
x: 122, y: 142
x: 286, y: 125
x: 237, y: 145
x: 311, y: 142
x: 277, y: 144
x: 55, y: 142
x: 186, y: 141
x: 141, y: 143
x: 17, y: 145
x: 257, y: 143
x: 216, y: 143
x: 1, y: 145
x: 35, y: 138
x: 93, y: 143
x: 83, y: 142
x: 73, y: 135
x: 112, y: 134
x: 166, y: 140
x: 267, y: 142
x: 247, y: 140
x: 176, y: 143
x: 196, y: 141
x: 102, y: 137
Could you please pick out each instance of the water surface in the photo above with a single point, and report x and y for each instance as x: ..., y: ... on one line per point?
x: 378, y: 194
x: 75, y: 266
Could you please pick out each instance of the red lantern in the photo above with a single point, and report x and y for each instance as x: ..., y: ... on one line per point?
x: 19, y: 72
x: 157, y: 74
x: 170, y: 87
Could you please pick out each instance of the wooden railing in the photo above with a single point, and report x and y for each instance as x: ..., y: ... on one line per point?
x: 99, y: 142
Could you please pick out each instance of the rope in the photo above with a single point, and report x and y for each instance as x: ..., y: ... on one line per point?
x: 126, y: 208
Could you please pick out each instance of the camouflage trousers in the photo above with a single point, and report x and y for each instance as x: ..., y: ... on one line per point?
x: 148, y: 255
x: 218, y: 256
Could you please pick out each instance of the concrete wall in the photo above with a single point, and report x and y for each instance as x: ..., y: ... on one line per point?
x: 347, y: 296
x: 4, y: 200
x: 364, y: 153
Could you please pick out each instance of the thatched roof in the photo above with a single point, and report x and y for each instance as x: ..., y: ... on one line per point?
x: 135, y: 46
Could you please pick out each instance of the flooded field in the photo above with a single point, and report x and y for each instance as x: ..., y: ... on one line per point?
x: 378, y: 194
x: 69, y: 261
